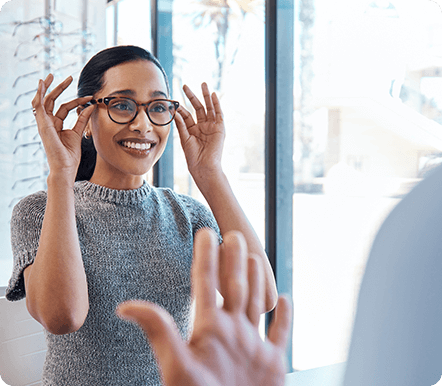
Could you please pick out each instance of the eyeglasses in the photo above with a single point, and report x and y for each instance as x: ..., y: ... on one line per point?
x: 44, y: 22
x: 124, y: 110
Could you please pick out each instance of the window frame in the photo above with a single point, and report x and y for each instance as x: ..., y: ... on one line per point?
x: 279, y: 78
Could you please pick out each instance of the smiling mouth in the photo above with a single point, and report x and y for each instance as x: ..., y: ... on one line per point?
x: 137, y: 145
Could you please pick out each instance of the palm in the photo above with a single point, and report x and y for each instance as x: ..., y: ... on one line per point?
x: 202, y: 141
x: 205, y: 143
x: 228, y: 345
x: 70, y: 146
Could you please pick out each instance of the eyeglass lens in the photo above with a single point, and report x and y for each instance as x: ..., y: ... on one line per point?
x: 160, y: 112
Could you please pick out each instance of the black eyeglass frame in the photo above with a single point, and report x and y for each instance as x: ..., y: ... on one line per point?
x: 106, y: 101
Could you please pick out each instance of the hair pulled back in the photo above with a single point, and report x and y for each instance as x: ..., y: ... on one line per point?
x: 91, y: 81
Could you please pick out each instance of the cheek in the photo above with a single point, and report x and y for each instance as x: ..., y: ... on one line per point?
x: 93, y: 124
x: 100, y: 133
x: 164, y: 137
x: 166, y: 134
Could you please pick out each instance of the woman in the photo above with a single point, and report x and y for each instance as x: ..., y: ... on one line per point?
x: 82, y: 247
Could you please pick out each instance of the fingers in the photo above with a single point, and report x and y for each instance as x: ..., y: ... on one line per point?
x: 199, y: 108
x: 217, y: 105
x: 44, y: 105
x: 160, y: 330
x: 233, y: 272
x: 83, y: 119
x: 65, y: 108
x: 37, y: 101
x: 280, y: 327
x: 183, y: 120
x: 205, y: 271
x: 49, y: 100
x: 255, y: 306
x: 210, y: 115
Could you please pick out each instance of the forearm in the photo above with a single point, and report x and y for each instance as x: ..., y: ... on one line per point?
x: 56, y: 286
x: 230, y: 216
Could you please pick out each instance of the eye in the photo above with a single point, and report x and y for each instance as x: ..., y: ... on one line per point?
x: 159, y: 107
x: 122, y: 105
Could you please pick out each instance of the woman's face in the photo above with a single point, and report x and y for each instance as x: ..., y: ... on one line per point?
x: 119, y: 165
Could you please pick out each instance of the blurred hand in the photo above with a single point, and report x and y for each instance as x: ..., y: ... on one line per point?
x: 202, y: 141
x: 225, y: 347
x: 62, y: 147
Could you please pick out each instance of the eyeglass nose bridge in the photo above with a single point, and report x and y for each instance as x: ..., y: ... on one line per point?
x: 144, y: 107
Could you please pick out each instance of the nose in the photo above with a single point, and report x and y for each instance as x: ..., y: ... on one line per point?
x: 141, y: 123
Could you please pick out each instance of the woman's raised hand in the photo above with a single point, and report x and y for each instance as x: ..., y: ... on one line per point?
x: 203, y: 140
x: 62, y: 147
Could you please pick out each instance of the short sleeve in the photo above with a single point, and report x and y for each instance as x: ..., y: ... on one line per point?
x: 26, y: 223
x: 200, y: 215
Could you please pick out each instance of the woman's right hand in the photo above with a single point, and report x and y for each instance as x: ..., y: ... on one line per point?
x: 62, y: 147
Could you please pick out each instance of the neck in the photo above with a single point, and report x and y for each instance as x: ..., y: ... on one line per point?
x: 124, y: 183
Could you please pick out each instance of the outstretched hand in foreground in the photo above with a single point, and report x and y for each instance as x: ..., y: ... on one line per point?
x: 225, y: 347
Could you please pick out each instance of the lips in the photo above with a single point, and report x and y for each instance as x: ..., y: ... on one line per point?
x: 136, y: 145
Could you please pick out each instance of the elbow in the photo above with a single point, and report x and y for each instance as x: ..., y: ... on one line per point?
x: 60, y: 322
x: 62, y: 326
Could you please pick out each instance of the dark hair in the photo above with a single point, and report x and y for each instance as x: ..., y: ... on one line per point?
x: 91, y: 81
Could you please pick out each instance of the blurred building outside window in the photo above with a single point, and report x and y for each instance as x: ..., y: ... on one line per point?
x: 367, y: 129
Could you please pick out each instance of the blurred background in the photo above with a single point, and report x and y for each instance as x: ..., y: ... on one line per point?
x: 367, y: 117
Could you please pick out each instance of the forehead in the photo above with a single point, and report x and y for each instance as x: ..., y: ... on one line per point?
x: 143, y: 77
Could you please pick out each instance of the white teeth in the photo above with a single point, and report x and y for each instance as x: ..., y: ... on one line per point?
x: 138, y: 146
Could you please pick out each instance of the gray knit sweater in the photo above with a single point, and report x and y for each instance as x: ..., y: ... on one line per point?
x: 135, y: 244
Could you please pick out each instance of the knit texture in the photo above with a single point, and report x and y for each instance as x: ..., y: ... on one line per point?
x: 135, y: 244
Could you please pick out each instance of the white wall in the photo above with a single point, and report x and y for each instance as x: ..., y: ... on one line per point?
x: 22, y: 345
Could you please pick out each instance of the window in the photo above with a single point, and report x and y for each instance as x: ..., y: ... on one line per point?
x: 222, y: 44
x: 367, y: 128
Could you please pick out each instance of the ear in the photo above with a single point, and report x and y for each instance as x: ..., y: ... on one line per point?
x: 87, y: 131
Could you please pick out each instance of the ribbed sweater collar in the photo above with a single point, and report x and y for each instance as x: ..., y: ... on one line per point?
x: 123, y: 197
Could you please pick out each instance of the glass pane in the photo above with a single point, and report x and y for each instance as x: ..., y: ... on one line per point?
x: 223, y: 45
x: 133, y: 22
x: 367, y: 129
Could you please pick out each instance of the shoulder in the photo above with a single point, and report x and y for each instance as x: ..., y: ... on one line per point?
x: 30, y: 206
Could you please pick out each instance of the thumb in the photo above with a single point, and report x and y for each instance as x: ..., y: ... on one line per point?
x: 83, y: 119
x: 160, y: 329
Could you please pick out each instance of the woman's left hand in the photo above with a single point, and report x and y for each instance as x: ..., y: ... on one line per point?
x: 202, y: 141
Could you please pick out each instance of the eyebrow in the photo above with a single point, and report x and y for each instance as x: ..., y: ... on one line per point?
x: 131, y: 93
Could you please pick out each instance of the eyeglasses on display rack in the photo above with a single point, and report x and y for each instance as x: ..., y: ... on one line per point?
x: 38, y: 143
x: 25, y: 128
x: 45, y: 22
x: 27, y: 179
x: 24, y: 76
x: 24, y: 94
